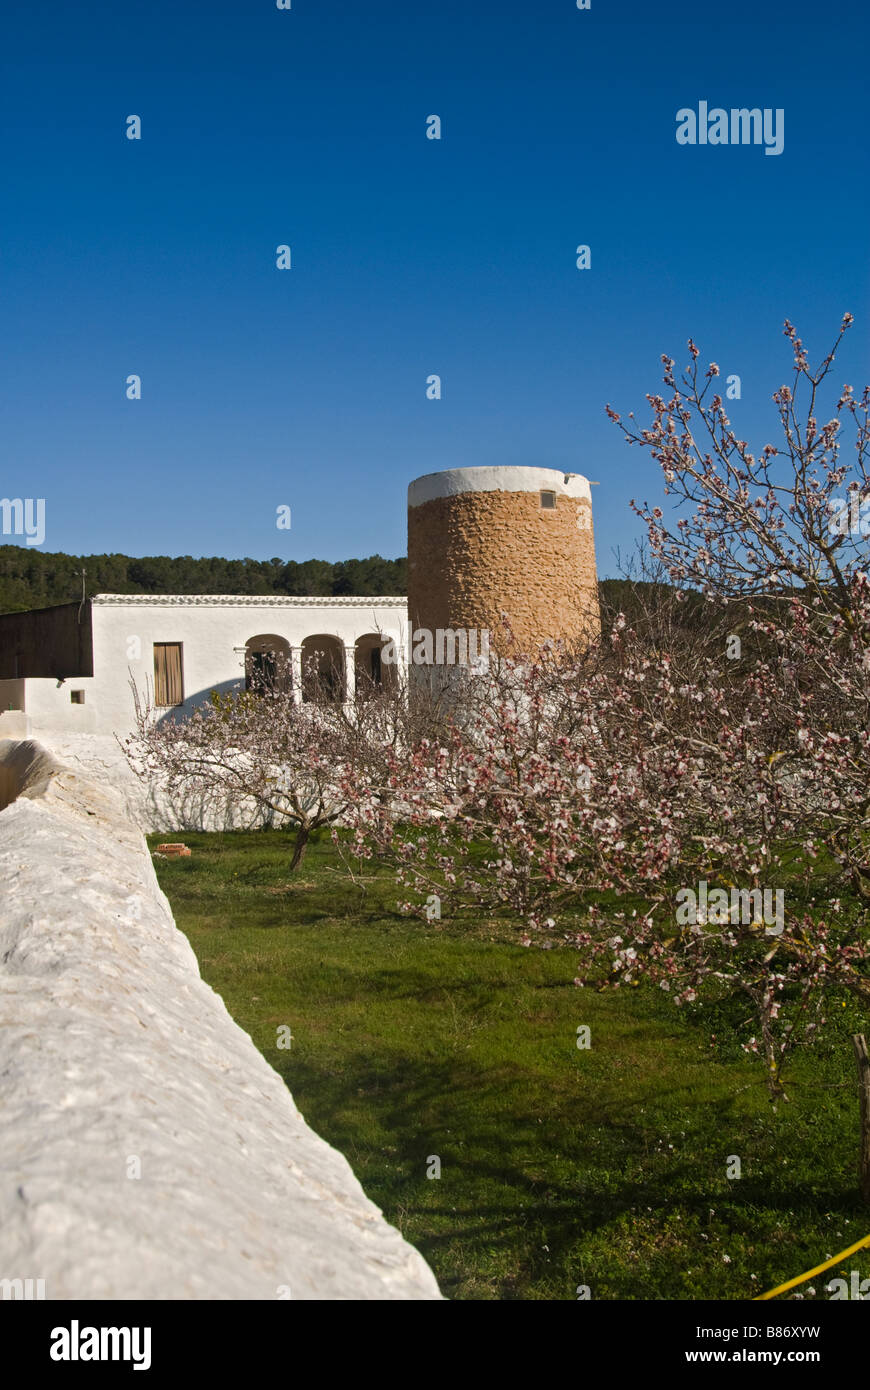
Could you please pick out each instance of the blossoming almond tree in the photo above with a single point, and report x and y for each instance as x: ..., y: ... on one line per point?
x: 291, y: 762
x: 606, y: 781
x: 770, y: 536
x: 580, y: 795
x: 786, y: 534
x: 767, y: 522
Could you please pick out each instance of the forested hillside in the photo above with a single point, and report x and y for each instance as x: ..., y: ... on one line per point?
x: 35, y: 579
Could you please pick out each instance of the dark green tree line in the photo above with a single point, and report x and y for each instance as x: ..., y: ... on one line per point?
x: 37, y: 579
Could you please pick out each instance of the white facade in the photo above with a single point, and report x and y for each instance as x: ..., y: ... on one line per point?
x: 214, y: 631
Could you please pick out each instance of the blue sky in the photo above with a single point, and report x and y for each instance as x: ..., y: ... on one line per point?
x: 307, y: 387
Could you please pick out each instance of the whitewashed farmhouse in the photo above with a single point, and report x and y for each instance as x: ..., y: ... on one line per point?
x: 67, y: 670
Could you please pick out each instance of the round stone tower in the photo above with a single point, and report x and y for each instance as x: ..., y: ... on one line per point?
x: 490, y: 543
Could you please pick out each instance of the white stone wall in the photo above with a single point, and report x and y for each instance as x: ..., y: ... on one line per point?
x: 116, y: 1057
x: 100, y: 758
x: 213, y: 631
x: 14, y: 723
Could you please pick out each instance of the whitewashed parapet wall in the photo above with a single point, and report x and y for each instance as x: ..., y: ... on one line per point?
x: 116, y: 1059
x: 147, y: 802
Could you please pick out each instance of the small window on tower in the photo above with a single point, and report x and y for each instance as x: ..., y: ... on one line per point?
x: 548, y: 501
x: 77, y: 697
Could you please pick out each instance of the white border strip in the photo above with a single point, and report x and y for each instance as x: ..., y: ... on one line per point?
x: 497, y: 479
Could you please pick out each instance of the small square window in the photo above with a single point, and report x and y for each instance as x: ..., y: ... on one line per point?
x: 548, y: 501
x: 77, y: 697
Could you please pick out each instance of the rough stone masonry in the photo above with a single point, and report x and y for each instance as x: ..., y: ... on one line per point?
x: 482, y: 548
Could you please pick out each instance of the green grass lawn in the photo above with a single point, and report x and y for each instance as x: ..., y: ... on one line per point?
x: 559, y: 1167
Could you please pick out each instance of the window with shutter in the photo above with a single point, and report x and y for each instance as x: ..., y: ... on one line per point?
x: 168, y: 682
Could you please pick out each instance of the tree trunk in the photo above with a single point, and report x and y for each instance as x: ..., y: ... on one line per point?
x: 303, y: 834
x: 863, y: 1059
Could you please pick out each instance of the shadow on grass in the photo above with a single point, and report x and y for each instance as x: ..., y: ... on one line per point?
x: 511, y: 1179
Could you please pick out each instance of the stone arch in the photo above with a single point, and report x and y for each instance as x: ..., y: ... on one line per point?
x: 323, y: 673
x: 267, y: 663
x: 371, y: 672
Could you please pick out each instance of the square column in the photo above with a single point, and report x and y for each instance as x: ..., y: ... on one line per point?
x: 296, y: 674
x: 349, y: 674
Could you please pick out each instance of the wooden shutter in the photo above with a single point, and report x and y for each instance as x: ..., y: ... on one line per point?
x: 168, y: 682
